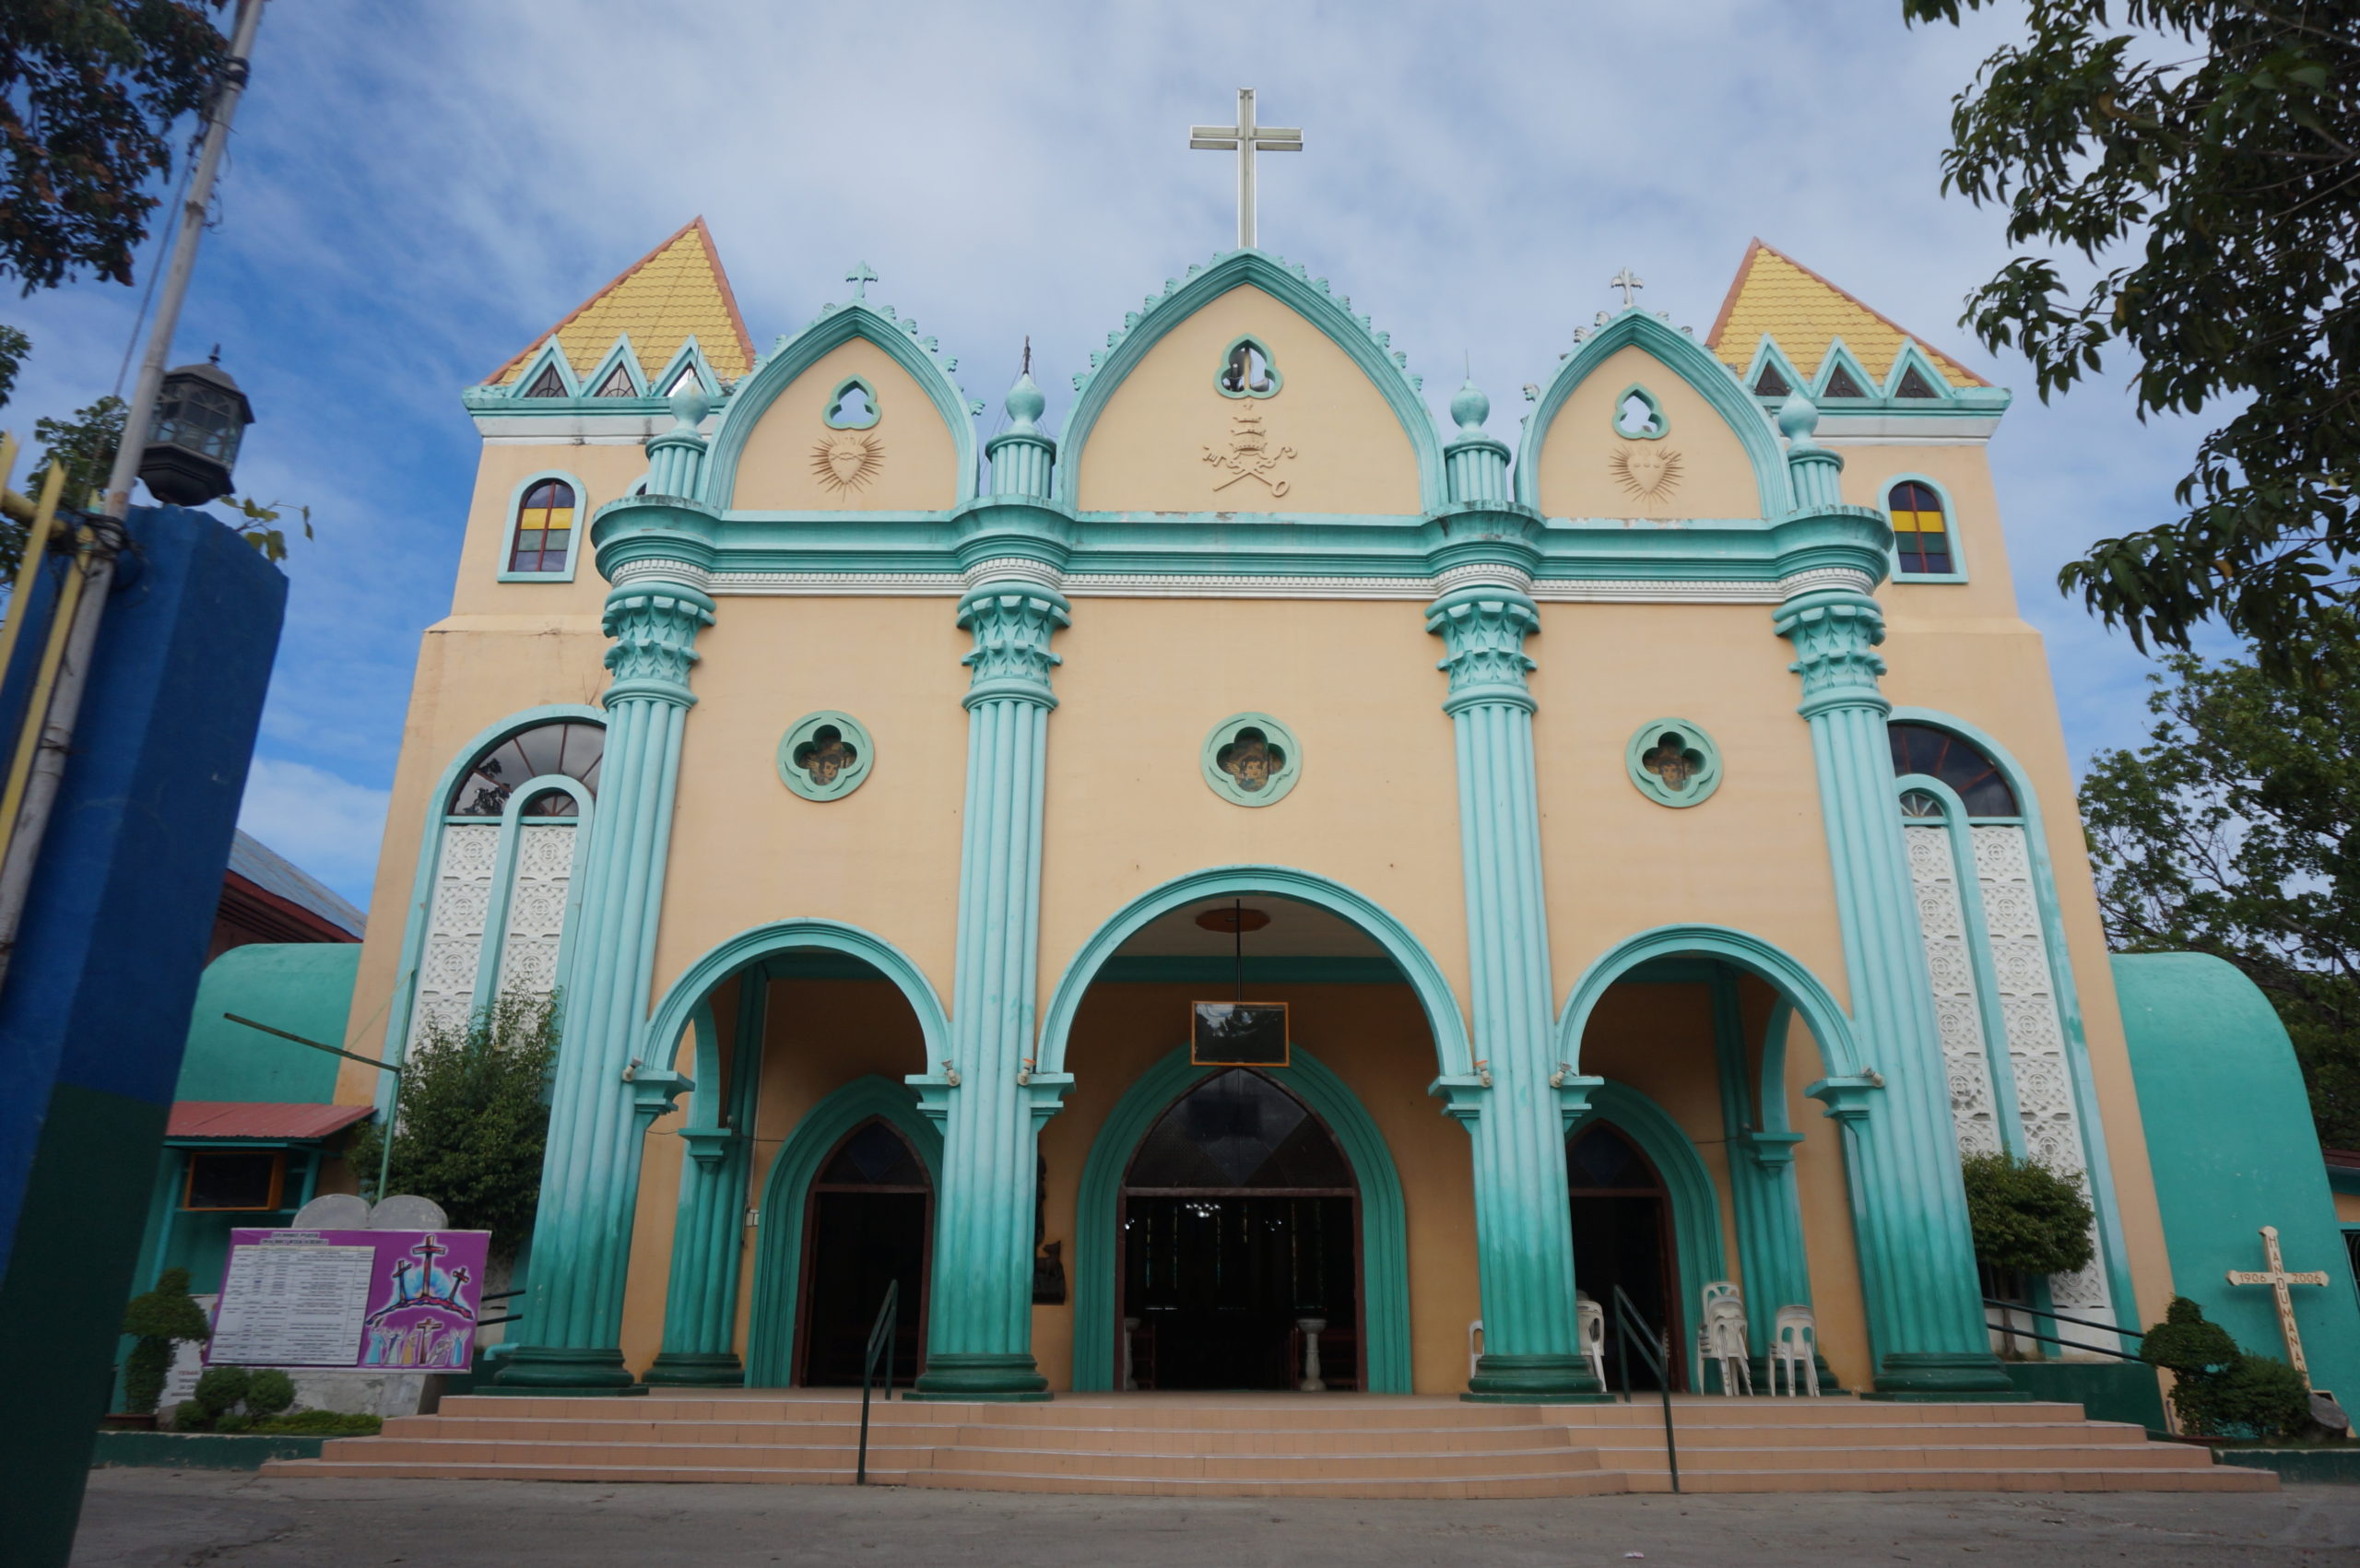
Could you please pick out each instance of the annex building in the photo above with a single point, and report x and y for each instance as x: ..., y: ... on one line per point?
x: 1652, y: 814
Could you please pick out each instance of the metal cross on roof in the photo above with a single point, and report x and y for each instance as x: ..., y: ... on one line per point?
x: 860, y: 277
x: 2277, y: 1278
x: 1245, y: 138
x: 1630, y: 283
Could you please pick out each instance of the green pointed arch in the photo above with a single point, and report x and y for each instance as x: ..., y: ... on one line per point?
x: 1766, y: 961
x: 1385, y: 1248
x: 1695, y: 1205
x: 1692, y: 362
x: 753, y: 396
x: 1416, y: 965
x: 778, y: 1246
x: 1292, y: 287
x: 662, y: 1041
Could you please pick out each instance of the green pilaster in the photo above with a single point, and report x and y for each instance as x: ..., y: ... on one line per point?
x: 604, y: 1095
x: 1917, y: 1259
x: 701, y: 1297
x: 1512, y: 1104
x: 988, y: 1098
x: 1762, y: 1175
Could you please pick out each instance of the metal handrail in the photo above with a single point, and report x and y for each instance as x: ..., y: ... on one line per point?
x: 880, y: 1341
x: 2070, y: 1344
x: 1630, y: 1325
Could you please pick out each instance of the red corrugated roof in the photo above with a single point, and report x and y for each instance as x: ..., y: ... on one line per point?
x: 261, y: 1119
x: 2347, y: 1159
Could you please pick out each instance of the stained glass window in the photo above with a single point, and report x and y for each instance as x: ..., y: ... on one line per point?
x: 548, y: 383
x: 617, y: 384
x: 1841, y: 384
x: 1920, y: 530
x: 1770, y: 384
x: 874, y: 1156
x: 1915, y: 386
x: 1238, y: 1130
x: 1601, y: 1160
x: 572, y: 750
x: 544, y: 541
x: 1922, y: 748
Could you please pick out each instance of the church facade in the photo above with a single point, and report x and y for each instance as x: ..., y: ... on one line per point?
x: 1642, y: 841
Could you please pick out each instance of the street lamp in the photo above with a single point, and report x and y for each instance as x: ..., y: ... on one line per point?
x: 201, y: 416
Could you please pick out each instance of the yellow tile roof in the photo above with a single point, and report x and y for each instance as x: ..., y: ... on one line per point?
x: 674, y: 292
x: 1803, y: 312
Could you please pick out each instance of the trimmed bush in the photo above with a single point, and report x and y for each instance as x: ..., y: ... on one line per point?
x: 2219, y: 1390
x: 269, y: 1392
x: 2026, y: 1216
x: 221, y: 1388
x: 160, y: 1319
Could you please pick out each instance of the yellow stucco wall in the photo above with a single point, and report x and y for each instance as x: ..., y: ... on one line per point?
x: 1580, y: 475
x: 916, y: 463
x: 1146, y: 450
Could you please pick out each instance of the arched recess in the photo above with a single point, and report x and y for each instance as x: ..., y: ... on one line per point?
x: 397, y: 1019
x: 1695, y: 1205
x: 755, y: 395
x: 1385, y: 1248
x: 1795, y: 985
x: 1416, y: 965
x: 1693, y: 363
x: 778, y: 1246
x: 1291, y: 285
x: 2067, y: 994
x: 661, y: 1045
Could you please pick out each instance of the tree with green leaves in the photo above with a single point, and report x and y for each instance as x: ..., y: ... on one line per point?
x: 2200, y: 160
x: 2236, y: 830
x: 471, y: 1118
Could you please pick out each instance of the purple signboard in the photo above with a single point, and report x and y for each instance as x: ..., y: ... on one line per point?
x: 365, y: 1300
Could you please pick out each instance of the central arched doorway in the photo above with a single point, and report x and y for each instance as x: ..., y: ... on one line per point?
x: 1622, y: 1238
x: 868, y: 1222
x: 1240, y: 1221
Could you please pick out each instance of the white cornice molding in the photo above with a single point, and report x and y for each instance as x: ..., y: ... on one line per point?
x: 1161, y: 585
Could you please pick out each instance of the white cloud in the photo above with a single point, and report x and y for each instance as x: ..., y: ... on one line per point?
x: 329, y: 827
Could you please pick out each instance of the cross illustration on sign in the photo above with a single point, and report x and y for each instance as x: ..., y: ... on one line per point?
x: 2278, y: 1279
x: 1245, y: 138
x: 1630, y: 283
x: 860, y: 277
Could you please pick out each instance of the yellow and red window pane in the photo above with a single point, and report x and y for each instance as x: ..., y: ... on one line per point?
x: 1921, y: 533
x: 544, y: 528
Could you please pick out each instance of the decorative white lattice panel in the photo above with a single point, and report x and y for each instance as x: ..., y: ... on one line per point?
x: 455, y: 926
x: 1941, y: 921
x: 2044, y: 1081
x: 537, y: 909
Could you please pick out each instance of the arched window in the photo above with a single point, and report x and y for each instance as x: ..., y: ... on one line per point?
x: 543, y: 539
x: 1921, y: 533
x: 1983, y: 914
x: 500, y: 873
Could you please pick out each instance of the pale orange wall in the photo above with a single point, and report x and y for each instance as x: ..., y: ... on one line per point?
x: 1146, y: 450
x: 2347, y: 1207
x: 604, y: 473
x: 1577, y: 478
x: 918, y: 461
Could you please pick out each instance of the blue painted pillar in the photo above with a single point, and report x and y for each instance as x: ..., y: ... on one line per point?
x: 701, y: 1296
x: 987, y: 1098
x: 603, y: 1095
x: 1917, y: 1255
x: 1514, y: 1103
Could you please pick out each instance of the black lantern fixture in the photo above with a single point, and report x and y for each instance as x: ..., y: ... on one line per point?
x: 200, y: 419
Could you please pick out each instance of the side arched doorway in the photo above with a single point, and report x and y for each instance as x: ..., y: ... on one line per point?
x: 1623, y: 1239
x: 868, y: 1224
x: 1239, y: 1232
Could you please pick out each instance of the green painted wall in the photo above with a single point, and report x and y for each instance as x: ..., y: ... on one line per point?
x: 302, y: 987
x: 2230, y: 1140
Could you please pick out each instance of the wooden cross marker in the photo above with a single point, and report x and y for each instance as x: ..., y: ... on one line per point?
x: 1245, y: 138
x: 2278, y: 1279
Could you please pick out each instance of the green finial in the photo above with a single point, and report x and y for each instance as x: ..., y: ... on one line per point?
x: 1470, y: 409
x: 1798, y: 417
x: 1024, y: 405
x: 690, y: 406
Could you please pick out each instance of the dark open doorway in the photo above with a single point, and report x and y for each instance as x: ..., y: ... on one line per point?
x: 870, y: 1222
x: 1239, y: 1221
x: 1622, y: 1219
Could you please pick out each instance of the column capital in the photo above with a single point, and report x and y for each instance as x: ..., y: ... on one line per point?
x: 1013, y: 620
x: 1848, y: 1099
x: 1484, y: 626
x: 653, y: 1091
x: 1835, y: 631
x: 1770, y: 1150
x: 654, y: 622
x: 708, y: 1145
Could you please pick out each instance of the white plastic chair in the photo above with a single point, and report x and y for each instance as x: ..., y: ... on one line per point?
x: 1795, y: 1343
x: 1721, y: 1337
x: 1474, y: 1347
x: 1590, y: 1327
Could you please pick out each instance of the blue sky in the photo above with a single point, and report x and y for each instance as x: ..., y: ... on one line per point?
x: 416, y: 191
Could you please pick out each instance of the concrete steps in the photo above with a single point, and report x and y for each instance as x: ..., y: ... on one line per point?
x: 1280, y: 1446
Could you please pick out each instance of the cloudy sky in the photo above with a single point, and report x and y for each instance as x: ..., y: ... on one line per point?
x: 418, y: 191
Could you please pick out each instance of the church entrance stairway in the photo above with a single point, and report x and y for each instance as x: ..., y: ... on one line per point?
x: 1281, y: 1446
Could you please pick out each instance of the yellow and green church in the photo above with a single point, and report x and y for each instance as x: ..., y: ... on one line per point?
x: 1259, y: 885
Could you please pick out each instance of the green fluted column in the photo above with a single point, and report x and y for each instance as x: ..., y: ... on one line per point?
x: 988, y: 1098
x: 1513, y: 1106
x: 1925, y: 1309
x: 602, y: 1098
x: 1762, y: 1176
x: 701, y: 1296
